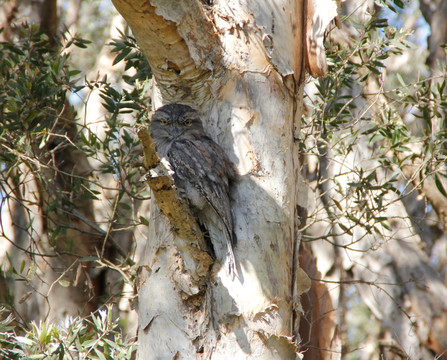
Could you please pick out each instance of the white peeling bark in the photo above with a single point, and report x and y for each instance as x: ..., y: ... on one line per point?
x: 238, y: 63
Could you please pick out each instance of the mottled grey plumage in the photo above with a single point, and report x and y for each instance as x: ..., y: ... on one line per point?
x: 202, y: 172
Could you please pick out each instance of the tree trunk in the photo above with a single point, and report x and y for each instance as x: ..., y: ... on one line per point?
x: 241, y: 65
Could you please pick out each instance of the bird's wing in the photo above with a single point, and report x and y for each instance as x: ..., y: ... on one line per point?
x: 200, y: 162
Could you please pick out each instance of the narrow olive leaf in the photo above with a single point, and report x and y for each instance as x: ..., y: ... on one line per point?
x: 24, y: 340
x: 64, y: 283
x: 401, y: 80
x: 22, y: 267
x: 439, y: 185
x: 100, y: 355
x: 337, y: 204
x: 25, y: 297
x: 345, y: 229
x: 121, y: 55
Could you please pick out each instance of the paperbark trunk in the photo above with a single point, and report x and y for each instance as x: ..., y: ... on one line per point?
x: 240, y: 64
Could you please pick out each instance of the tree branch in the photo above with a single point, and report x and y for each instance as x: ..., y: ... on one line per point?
x: 170, y: 203
x: 181, y: 59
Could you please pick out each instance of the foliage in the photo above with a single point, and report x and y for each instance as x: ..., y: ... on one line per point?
x: 127, y: 50
x: 43, y: 141
x: 35, y: 80
x: 95, y: 338
x: 365, y: 156
x: 37, y: 123
x: 340, y: 124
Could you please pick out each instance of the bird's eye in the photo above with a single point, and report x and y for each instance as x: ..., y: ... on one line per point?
x: 164, y: 122
x: 187, y: 122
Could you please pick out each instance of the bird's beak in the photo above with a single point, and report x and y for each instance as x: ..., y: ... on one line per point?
x: 176, y: 131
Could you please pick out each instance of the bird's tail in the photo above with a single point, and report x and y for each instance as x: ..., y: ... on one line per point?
x: 222, y: 241
x: 230, y: 240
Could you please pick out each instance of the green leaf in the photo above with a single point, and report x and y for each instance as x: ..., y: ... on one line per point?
x: 401, y: 80
x: 74, y: 72
x: 124, y: 205
x: 26, y: 341
x: 337, y: 204
x: 22, y: 266
x: 64, y: 283
x: 100, y: 354
x: 110, y: 104
x: 345, y: 229
x: 121, y: 55
x: 439, y: 185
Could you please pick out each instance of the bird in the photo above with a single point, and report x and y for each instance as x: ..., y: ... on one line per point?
x: 202, y: 173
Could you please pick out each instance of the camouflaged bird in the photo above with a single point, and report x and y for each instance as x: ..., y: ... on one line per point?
x: 202, y: 173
